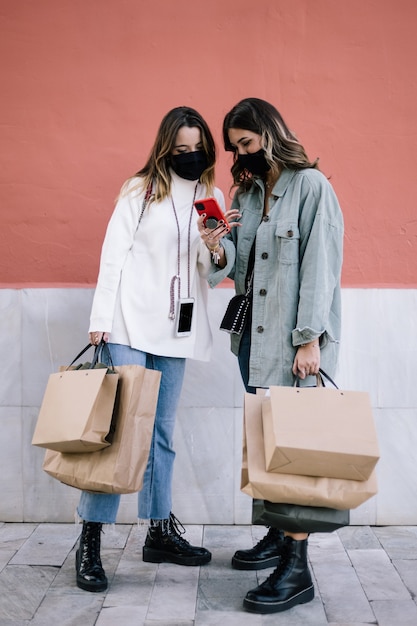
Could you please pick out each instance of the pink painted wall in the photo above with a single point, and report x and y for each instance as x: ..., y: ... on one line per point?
x: 85, y: 84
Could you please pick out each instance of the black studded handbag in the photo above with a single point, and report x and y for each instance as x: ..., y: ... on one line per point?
x: 236, y: 316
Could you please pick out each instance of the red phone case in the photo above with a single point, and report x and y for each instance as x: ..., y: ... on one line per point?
x: 211, y: 208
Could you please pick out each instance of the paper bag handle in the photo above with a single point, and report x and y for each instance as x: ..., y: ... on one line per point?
x: 323, y: 373
x: 319, y: 379
x: 97, y: 351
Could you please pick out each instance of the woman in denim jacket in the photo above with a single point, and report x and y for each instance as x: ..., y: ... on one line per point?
x: 289, y: 246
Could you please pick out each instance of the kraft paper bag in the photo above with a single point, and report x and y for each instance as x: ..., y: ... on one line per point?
x: 258, y: 483
x: 120, y: 467
x: 77, y: 410
x: 320, y: 431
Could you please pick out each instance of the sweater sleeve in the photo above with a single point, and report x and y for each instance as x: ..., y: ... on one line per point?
x: 118, y: 241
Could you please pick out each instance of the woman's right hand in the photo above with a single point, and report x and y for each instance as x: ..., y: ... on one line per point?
x: 96, y: 336
x: 307, y: 360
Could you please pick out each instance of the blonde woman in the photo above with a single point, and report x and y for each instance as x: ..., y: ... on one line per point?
x: 150, y: 306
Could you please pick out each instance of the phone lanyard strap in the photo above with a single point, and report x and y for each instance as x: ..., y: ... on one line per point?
x: 177, y: 277
x: 146, y: 198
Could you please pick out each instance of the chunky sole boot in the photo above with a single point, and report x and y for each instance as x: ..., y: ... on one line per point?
x: 90, y: 572
x: 164, y: 544
x: 151, y: 555
x: 266, y: 553
x: 290, y: 584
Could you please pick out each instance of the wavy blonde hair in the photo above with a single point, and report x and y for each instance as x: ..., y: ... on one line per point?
x: 156, y: 171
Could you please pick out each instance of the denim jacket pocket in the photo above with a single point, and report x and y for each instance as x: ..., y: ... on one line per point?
x: 288, y: 238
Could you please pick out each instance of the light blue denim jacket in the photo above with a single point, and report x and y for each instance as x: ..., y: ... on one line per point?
x: 298, y: 261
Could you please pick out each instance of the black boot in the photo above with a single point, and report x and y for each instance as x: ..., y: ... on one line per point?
x: 290, y: 584
x: 164, y: 544
x: 266, y: 553
x: 90, y: 572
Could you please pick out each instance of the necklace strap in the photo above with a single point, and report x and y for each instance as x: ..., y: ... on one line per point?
x: 177, y: 277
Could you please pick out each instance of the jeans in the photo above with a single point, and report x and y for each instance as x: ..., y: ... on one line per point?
x: 155, y: 498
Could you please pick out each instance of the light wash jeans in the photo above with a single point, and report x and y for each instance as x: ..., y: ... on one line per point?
x: 154, y: 500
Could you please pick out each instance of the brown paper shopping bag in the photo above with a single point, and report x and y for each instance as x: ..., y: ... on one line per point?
x: 257, y: 482
x: 320, y: 431
x: 77, y: 407
x: 120, y: 467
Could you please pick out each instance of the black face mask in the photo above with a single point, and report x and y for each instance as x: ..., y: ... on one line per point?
x: 255, y: 163
x: 189, y: 165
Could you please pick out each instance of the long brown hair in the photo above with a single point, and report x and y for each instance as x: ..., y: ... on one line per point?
x: 281, y: 146
x: 157, y: 167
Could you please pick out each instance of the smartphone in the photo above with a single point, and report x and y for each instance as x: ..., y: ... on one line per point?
x: 214, y: 214
x: 184, y: 317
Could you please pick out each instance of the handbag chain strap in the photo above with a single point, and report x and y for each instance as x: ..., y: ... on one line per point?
x: 250, y: 284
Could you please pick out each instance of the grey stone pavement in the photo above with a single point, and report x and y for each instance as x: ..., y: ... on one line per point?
x: 362, y: 575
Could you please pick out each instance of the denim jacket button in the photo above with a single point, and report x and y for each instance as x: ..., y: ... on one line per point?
x: 264, y: 255
x: 265, y: 218
x: 260, y: 329
x: 262, y: 292
x: 290, y: 233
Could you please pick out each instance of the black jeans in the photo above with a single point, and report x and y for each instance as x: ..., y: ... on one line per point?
x: 244, y: 355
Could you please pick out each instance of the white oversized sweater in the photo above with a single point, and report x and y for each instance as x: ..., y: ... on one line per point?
x: 132, y: 297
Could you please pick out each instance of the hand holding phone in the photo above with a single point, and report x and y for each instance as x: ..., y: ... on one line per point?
x: 214, y: 215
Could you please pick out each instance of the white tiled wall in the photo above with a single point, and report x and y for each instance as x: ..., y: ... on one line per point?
x: 44, y: 328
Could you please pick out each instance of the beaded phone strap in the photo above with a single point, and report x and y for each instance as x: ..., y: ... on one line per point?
x: 177, y: 277
x: 145, y: 202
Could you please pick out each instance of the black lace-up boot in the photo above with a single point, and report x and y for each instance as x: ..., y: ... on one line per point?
x: 164, y: 544
x: 90, y: 572
x: 290, y: 584
x: 266, y: 553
